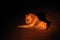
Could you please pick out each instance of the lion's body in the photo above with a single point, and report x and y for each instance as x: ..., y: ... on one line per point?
x: 33, y: 21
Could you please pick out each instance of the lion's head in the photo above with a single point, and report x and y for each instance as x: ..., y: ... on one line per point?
x: 30, y: 18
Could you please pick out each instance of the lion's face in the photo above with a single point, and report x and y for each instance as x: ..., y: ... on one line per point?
x: 28, y: 19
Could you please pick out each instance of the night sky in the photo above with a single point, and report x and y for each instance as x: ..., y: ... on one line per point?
x: 15, y: 17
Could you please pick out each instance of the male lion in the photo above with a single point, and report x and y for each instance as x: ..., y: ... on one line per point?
x: 32, y: 21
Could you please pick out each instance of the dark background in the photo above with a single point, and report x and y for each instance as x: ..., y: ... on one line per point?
x: 15, y: 16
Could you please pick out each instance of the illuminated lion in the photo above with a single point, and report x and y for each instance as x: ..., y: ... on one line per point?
x: 32, y: 21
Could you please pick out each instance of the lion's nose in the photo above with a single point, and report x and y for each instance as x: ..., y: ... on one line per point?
x: 27, y: 20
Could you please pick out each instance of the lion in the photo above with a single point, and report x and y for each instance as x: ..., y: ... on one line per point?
x: 32, y: 21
